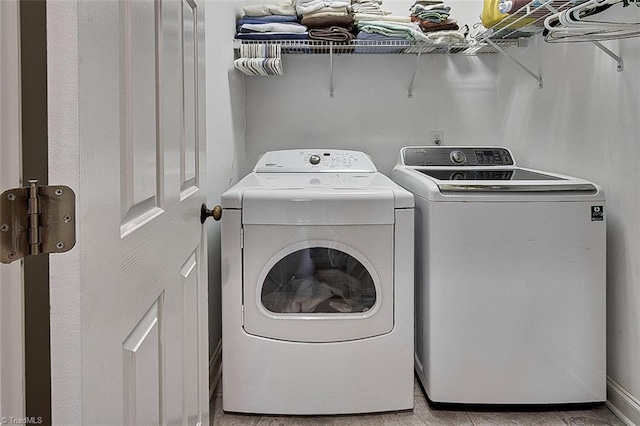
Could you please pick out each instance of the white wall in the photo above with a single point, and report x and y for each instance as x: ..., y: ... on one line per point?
x: 371, y: 110
x: 586, y: 122
x: 225, y: 149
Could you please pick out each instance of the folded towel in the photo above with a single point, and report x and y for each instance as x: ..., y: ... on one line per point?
x: 268, y: 18
x: 449, y: 24
x: 273, y: 27
x: 329, y: 11
x: 304, y: 7
x: 337, y: 34
x: 368, y: 7
x: 285, y: 8
x: 345, y: 21
x: 272, y: 36
x: 447, y: 37
x: 410, y: 30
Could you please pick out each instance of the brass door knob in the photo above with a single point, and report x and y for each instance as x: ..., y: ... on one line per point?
x: 215, y: 213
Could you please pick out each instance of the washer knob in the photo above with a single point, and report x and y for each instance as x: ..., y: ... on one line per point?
x: 458, y: 157
x: 314, y: 159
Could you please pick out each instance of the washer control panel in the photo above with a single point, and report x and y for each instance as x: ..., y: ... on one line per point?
x: 424, y: 156
x: 316, y: 160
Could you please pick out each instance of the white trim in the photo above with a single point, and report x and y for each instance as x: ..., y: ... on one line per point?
x: 622, y: 403
x: 215, y: 369
x: 64, y: 271
x: 12, y: 379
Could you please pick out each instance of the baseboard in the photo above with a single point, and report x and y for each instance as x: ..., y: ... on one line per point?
x: 215, y: 369
x: 622, y: 403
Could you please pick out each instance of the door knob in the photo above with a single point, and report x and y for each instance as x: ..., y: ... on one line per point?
x: 215, y: 213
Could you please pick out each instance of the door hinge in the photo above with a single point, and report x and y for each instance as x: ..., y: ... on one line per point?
x: 36, y: 219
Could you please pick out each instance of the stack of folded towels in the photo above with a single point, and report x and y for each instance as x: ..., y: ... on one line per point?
x: 388, y: 27
x: 370, y: 7
x: 338, y: 20
x: 432, y: 16
x: 327, y: 20
x: 271, y: 22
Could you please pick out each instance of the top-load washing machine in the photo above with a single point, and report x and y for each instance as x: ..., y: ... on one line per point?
x: 510, y: 279
x: 317, y: 287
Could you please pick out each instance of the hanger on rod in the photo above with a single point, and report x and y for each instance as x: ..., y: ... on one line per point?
x: 578, y: 24
x: 260, y: 59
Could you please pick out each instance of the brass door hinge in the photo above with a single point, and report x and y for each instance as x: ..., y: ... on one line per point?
x: 37, y: 219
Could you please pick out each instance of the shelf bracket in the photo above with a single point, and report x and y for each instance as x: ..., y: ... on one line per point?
x: 615, y: 57
x: 528, y: 71
x: 331, y: 70
x: 413, y: 78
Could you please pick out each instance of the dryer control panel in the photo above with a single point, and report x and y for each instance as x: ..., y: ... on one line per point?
x: 315, y: 160
x: 430, y: 156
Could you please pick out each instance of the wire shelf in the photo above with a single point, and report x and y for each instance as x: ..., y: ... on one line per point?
x: 310, y: 47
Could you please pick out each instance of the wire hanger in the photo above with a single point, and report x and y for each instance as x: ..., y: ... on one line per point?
x: 577, y: 23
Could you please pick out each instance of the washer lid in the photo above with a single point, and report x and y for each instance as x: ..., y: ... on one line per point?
x: 444, y: 172
x: 504, y: 180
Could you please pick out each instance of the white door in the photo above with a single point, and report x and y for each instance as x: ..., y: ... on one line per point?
x: 12, y: 394
x: 126, y: 132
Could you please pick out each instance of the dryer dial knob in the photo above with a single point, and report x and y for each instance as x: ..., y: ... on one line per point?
x: 458, y: 157
x: 314, y: 159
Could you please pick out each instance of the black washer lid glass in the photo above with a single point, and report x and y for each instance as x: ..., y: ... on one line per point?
x: 462, y: 174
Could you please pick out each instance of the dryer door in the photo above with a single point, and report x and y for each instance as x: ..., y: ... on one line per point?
x: 318, y: 283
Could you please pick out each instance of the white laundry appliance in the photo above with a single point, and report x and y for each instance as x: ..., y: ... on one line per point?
x: 317, y: 287
x: 510, y: 279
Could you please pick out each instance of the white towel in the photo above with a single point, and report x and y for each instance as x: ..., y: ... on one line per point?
x: 286, y: 8
x: 304, y: 7
x: 274, y: 27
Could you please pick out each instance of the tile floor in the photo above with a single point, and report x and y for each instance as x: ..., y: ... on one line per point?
x: 422, y: 414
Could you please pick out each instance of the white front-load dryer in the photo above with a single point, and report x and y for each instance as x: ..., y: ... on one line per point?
x: 510, y: 279
x: 317, y: 287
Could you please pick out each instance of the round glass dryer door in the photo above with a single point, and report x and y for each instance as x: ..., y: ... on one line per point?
x: 318, y: 290
x: 318, y: 281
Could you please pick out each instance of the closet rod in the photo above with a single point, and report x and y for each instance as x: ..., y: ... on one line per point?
x: 501, y: 50
x: 615, y: 57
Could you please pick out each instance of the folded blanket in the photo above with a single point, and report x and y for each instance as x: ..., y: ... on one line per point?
x: 268, y: 18
x: 285, y: 8
x: 273, y: 27
x: 272, y: 36
x: 345, y: 21
x: 337, y: 34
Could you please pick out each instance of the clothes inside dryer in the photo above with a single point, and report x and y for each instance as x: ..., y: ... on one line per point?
x: 318, y: 280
